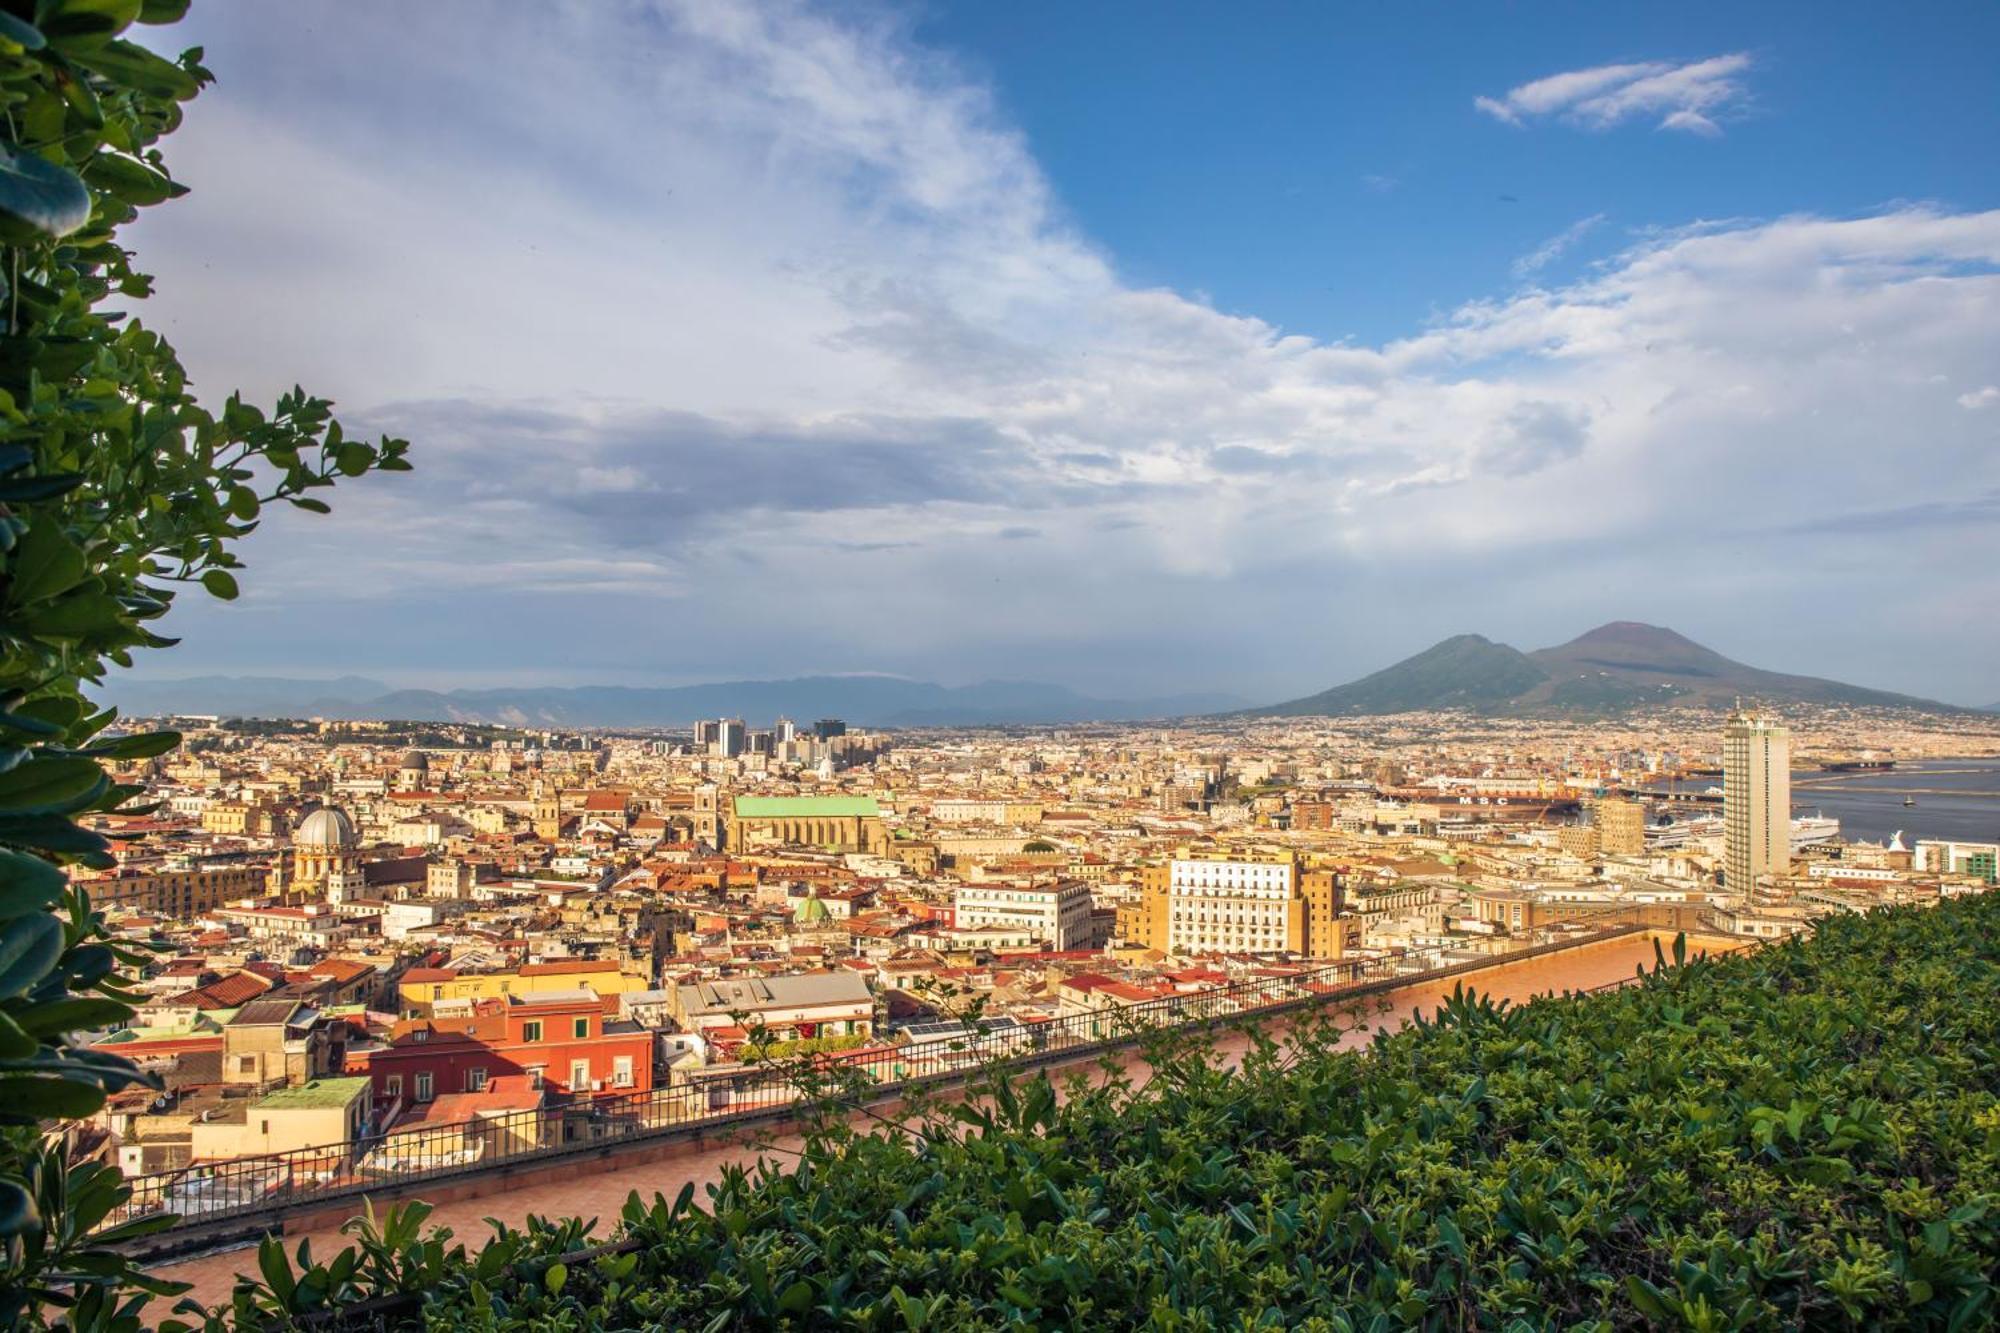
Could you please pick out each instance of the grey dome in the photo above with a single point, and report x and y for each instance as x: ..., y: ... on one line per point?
x: 414, y: 760
x: 327, y: 826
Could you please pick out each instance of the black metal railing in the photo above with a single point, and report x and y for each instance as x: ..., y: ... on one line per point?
x: 384, y: 1162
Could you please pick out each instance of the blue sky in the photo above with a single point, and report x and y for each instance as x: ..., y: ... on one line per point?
x: 1138, y: 348
x: 1323, y: 167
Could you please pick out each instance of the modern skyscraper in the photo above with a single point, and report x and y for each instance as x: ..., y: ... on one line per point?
x: 1756, y: 799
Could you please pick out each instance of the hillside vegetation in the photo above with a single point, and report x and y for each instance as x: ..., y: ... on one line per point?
x: 1806, y: 1136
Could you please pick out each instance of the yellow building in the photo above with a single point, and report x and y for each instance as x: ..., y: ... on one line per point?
x: 225, y: 817
x: 422, y: 987
x: 182, y: 894
x: 1579, y: 840
x: 1621, y: 827
x: 324, y: 1112
x: 1142, y: 920
x: 1326, y: 934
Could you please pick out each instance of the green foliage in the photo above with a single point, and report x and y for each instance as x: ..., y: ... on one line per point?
x: 1807, y: 1136
x: 116, y: 488
x: 778, y: 1050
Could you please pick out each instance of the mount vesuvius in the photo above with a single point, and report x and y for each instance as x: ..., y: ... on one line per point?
x: 1610, y: 669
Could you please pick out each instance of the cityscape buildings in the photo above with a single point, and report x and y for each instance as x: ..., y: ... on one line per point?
x: 376, y: 931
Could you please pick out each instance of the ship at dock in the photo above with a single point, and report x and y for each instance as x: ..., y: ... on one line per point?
x: 1868, y: 762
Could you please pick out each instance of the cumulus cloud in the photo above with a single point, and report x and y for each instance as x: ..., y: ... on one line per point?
x: 1684, y: 96
x: 805, y: 367
x: 1980, y: 399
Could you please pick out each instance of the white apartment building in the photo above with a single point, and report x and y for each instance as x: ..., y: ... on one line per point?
x: 1233, y: 906
x: 400, y: 918
x: 1757, y: 800
x: 1059, y: 915
x: 1939, y: 857
x: 316, y: 925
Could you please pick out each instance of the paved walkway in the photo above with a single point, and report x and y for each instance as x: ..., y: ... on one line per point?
x: 602, y: 1193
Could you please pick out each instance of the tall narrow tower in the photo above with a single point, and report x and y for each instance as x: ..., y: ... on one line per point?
x: 546, y: 812
x: 708, y: 817
x: 1756, y: 799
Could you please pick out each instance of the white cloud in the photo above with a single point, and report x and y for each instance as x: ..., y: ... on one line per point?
x: 1979, y: 399
x: 796, y: 347
x: 1555, y: 247
x: 1685, y: 96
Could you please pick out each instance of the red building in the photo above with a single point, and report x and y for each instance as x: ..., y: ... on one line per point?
x: 562, y: 1041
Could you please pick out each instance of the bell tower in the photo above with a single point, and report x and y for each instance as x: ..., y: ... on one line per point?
x: 547, y: 813
x: 708, y: 826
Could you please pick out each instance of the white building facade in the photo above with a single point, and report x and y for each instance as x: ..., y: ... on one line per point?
x: 1058, y: 915
x: 1232, y: 906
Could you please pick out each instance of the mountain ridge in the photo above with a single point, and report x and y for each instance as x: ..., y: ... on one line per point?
x: 1616, y: 667
x: 863, y: 700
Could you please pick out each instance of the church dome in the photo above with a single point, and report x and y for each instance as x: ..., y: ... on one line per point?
x: 414, y: 761
x: 325, y: 827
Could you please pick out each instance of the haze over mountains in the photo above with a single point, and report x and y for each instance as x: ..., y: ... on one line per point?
x: 1610, y: 669
x: 866, y: 701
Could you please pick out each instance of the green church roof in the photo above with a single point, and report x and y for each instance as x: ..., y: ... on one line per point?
x: 805, y: 807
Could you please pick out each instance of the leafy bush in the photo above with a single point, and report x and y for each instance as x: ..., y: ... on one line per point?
x: 778, y: 1050
x: 1806, y: 1136
x: 116, y: 488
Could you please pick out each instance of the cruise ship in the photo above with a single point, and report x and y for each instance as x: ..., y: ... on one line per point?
x: 1808, y: 830
x: 1679, y: 832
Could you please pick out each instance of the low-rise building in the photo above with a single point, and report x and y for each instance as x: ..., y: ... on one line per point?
x: 817, y: 1004
x: 1057, y: 915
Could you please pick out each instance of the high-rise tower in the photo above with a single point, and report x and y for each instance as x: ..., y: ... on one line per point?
x: 1756, y: 799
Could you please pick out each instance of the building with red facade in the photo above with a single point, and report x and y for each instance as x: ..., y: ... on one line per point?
x: 562, y: 1041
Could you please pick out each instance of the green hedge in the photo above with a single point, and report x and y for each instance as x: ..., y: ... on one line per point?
x: 1805, y: 1136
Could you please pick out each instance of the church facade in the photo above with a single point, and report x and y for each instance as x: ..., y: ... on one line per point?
x: 836, y: 823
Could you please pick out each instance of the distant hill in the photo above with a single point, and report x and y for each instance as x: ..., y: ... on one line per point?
x: 868, y: 701
x: 1466, y: 671
x: 1610, y: 669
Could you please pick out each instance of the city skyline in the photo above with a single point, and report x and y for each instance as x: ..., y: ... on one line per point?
x: 873, y: 340
x: 927, y: 611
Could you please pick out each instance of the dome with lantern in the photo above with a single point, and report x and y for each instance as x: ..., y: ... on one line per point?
x: 327, y: 827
